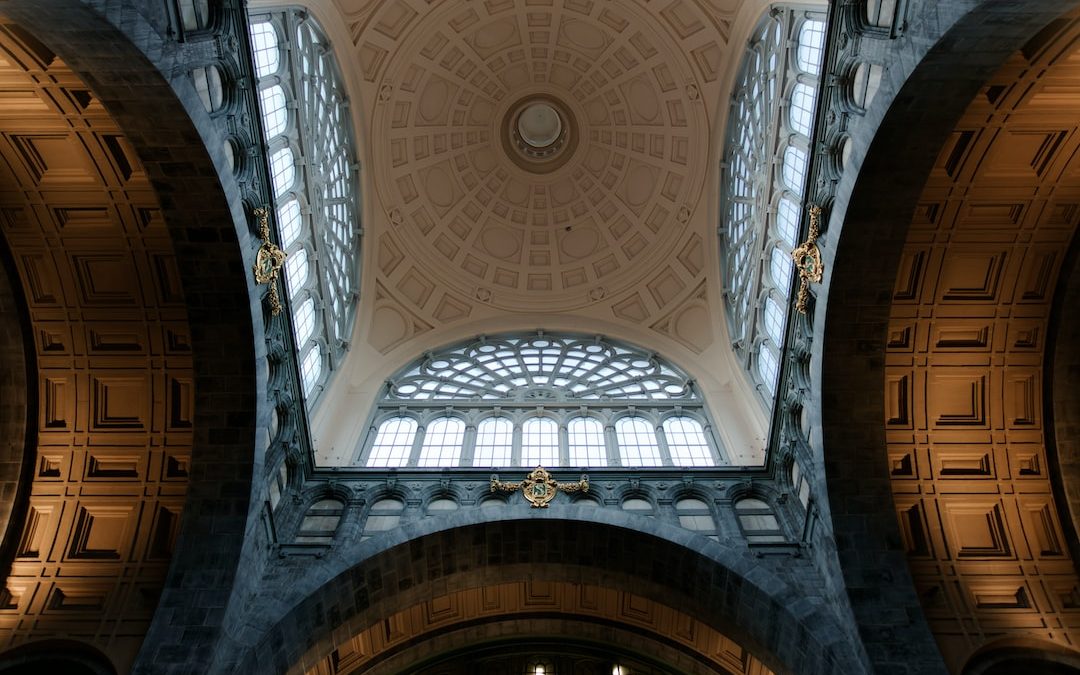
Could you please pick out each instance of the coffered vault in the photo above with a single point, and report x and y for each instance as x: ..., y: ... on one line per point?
x: 541, y: 181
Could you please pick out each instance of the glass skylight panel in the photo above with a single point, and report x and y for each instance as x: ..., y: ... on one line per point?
x: 801, y: 111
x: 311, y: 368
x: 811, y: 46
x: 282, y: 168
x: 774, y: 320
x: 304, y: 321
x: 275, y: 117
x: 289, y: 222
x: 768, y: 366
x: 264, y: 44
x: 795, y: 168
x: 780, y: 267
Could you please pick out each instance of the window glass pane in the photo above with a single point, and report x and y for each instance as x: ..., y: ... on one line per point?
x: 774, y: 321
x: 194, y: 14
x: 264, y: 42
x: 801, y: 111
x: 768, y: 366
x: 311, y: 368
x: 296, y: 271
x: 283, y: 170
x: 637, y: 442
x: 304, y: 321
x: 811, y: 45
x: 787, y: 221
x: 442, y: 442
x: 780, y: 267
x: 586, y: 441
x: 795, y: 168
x: 385, y: 515
x: 686, y: 441
x: 636, y: 504
x: 494, y: 441
x: 272, y: 101
x: 539, y: 442
x: 289, y: 222
x: 393, y: 442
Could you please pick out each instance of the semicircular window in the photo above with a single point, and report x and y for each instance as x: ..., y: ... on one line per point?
x: 555, y: 400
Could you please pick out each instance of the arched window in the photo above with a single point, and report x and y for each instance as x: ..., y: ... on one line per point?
x: 637, y: 442
x: 758, y: 523
x: 209, y: 87
x: 694, y: 515
x: 585, y: 439
x: 313, y: 173
x: 442, y: 442
x: 393, y: 442
x: 385, y: 514
x: 320, y: 522
x: 761, y: 206
x: 539, y: 399
x: 686, y: 442
x: 494, y: 442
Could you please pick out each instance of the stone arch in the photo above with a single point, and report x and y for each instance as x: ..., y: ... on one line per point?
x: 717, y: 585
x: 1035, y: 657
x: 182, y: 154
x: 67, y: 656
x: 893, y: 149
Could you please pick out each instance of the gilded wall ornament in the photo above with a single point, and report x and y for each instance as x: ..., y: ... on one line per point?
x: 539, y: 487
x: 268, y: 260
x: 807, y: 259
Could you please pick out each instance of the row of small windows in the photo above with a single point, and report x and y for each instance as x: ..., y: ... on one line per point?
x: 755, y: 517
x: 306, y: 124
x: 539, y: 441
x: 771, y: 124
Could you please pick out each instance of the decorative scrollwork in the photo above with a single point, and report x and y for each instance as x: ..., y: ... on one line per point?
x: 268, y: 260
x: 807, y: 259
x: 539, y: 487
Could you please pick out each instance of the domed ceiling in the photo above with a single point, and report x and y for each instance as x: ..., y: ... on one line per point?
x: 539, y: 164
x: 469, y: 220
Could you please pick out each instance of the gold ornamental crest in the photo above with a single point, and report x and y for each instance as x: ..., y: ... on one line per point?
x: 539, y: 488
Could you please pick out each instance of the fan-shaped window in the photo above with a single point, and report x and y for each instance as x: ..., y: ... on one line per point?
x: 687, y: 442
x: 637, y: 442
x: 264, y: 44
x: 494, y: 442
x: 758, y: 523
x: 586, y: 442
x: 442, y: 442
x: 306, y: 121
x: 540, y: 442
x: 784, y: 55
x: 393, y: 443
x: 546, y: 400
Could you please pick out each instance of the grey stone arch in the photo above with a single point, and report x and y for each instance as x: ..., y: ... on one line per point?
x: 791, y: 630
x: 119, y: 49
x: 950, y: 49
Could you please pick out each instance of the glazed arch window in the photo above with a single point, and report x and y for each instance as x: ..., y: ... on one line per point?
x: 320, y: 522
x: 766, y: 168
x: 758, y: 522
x: 530, y: 400
x: 314, y: 178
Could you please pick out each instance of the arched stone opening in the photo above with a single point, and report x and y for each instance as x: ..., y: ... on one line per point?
x: 55, y: 656
x: 732, y: 592
x: 1030, y: 656
x: 915, y: 110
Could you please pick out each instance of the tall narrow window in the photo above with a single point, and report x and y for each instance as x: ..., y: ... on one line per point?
x: 313, y: 171
x: 770, y: 127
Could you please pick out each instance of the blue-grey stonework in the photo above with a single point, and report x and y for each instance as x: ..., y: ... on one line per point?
x: 241, y: 598
x: 18, y: 408
x: 1063, y: 397
x: 932, y: 73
